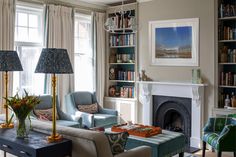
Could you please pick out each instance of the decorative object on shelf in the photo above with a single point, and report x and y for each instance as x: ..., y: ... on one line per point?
x: 174, y: 42
x: 196, y: 76
x: 112, y: 57
x: 144, y: 77
x: 9, y: 61
x: 121, y: 21
x: 112, y: 73
x: 22, y: 107
x: 54, y: 61
x: 233, y: 100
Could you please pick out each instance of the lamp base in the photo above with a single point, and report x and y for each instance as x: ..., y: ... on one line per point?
x: 54, y: 138
x: 6, y: 126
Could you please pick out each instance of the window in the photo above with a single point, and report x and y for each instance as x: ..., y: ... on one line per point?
x: 84, y: 60
x: 28, y: 44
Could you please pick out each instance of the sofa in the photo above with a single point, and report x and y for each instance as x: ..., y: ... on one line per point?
x: 87, y: 143
x: 103, y: 118
x: 63, y: 118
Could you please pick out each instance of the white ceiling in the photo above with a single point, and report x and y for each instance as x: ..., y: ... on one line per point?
x: 102, y: 2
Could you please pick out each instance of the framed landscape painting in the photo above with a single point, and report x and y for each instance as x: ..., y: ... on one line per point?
x: 174, y: 42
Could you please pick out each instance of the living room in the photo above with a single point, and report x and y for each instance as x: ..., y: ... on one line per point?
x: 161, y: 70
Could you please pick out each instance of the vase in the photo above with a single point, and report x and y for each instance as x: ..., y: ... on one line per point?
x: 22, y: 128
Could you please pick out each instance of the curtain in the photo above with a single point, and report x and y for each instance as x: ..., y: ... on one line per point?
x: 7, y: 27
x: 99, y: 48
x: 60, y: 34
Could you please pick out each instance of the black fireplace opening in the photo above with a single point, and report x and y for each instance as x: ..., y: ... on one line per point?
x: 173, y: 121
x: 174, y: 114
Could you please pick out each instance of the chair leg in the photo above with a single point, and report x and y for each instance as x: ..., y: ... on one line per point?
x: 234, y: 154
x: 203, y: 148
x: 219, y: 153
x: 181, y: 154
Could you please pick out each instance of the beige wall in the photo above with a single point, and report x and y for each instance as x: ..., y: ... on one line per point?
x: 178, y: 9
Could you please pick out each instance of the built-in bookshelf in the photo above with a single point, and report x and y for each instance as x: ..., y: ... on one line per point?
x: 226, y: 51
x: 122, y: 62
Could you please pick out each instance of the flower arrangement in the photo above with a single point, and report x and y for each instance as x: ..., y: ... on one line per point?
x: 22, y: 107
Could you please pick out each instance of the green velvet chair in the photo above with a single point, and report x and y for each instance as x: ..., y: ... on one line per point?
x: 220, y: 134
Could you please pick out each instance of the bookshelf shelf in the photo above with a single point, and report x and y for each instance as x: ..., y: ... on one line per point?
x: 223, y: 86
x: 228, y: 18
x: 226, y: 41
x: 124, y: 63
x: 227, y: 63
x: 128, y: 81
x: 124, y: 46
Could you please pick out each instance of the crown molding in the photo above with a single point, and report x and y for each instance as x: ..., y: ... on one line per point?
x: 143, y: 1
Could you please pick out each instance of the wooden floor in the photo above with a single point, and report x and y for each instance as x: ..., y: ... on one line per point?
x: 197, y: 154
x: 212, y: 154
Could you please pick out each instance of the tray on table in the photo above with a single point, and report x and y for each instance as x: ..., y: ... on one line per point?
x: 137, y: 129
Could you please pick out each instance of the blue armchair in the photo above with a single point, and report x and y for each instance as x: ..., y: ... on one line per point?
x: 63, y: 118
x: 104, y: 117
x: 220, y: 134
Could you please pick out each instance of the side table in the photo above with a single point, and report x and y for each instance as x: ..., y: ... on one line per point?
x: 35, y: 145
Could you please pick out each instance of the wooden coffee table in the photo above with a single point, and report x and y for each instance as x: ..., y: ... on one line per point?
x: 167, y: 144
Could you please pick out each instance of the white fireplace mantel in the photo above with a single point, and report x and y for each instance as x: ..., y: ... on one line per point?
x: 185, y: 90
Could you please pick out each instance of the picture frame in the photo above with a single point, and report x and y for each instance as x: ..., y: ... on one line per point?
x: 174, y: 42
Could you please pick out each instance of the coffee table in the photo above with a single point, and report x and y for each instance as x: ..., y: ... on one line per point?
x: 167, y: 144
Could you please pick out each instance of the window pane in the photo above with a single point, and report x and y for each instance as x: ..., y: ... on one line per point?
x: 84, y: 73
x: 84, y: 69
x: 22, y: 19
x: 33, y: 35
x: 33, y: 20
x: 22, y: 34
x: 28, y: 80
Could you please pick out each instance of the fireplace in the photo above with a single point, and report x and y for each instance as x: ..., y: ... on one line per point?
x: 174, y: 114
x: 185, y: 102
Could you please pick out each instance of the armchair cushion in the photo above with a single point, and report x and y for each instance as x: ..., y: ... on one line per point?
x: 104, y: 119
x: 212, y: 139
x: 92, y: 108
x: 117, y: 141
x: 44, y: 114
x: 73, y: 124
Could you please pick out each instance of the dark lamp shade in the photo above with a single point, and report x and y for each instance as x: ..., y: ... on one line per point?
x: 54, y: 61
x: 9, y: 61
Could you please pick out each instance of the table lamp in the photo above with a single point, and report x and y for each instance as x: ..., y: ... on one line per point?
x: 54, y: 61
x: 9, y: 61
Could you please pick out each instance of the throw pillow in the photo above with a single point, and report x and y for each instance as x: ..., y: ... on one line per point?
x: 44, y: 114
x: 117, y: 141
x: 93, y: 108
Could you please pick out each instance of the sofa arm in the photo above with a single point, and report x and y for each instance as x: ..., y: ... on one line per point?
x: 137, y: 152
x: 87, y: 118
x: 108, y: 111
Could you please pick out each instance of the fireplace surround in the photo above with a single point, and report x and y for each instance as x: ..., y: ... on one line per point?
x: 195, y: 92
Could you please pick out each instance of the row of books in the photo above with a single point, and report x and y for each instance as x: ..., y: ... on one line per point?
x: 228, y: 79
x: 122, y: 40
x: 120, y: 22
x: 227, y: 10
x: 227, y: 33
x: 122, y: 91
x: 127, y: 92
x: 227, y: 55
x: 125, y: 75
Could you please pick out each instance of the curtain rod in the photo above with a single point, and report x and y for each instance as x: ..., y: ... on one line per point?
x: 68, y: 4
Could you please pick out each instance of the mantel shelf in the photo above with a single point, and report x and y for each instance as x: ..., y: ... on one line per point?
x: 171, y: 83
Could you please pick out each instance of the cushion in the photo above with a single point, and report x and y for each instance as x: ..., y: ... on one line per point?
x: 92, y: 108
x: 117, y: 141
x: 44, y: 114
